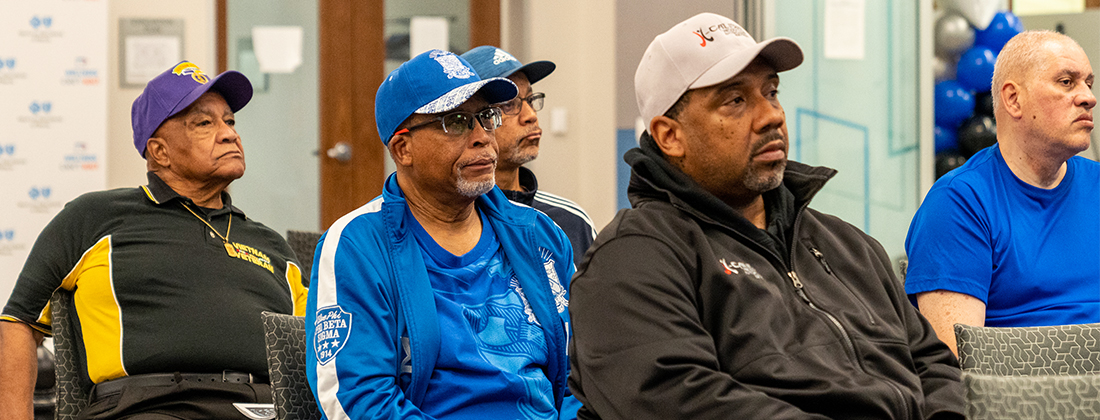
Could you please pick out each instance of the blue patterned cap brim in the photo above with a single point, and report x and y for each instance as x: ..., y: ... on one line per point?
x: 497, y: 89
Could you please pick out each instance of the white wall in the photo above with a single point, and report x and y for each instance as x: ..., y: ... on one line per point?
x: 125, y: 168
x: 578, y: 36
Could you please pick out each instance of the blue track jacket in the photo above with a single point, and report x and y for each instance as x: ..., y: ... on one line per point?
x: 371, y: 327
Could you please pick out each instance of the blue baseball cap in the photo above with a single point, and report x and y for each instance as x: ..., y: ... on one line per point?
x: 175, y: 89
x: 434, y: 81
x: 490, y: 61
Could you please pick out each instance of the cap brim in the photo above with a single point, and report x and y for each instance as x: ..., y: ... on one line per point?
x: 537, y: 70
x: 233, y: 86
x: 497, y: 89
x: 782, y: 53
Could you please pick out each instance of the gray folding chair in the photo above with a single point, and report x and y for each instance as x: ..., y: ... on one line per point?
x: 285, y: 337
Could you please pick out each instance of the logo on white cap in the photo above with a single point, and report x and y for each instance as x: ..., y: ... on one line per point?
x: 726, y: 28
x: 451, y: 66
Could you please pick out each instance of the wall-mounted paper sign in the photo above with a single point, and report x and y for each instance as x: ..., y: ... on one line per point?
x: 147, y: 48
x: 278, y: 48
x: 428, y: 33
x: 844, y: 29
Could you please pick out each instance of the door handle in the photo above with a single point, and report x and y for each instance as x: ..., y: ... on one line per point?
x: 341, y: 152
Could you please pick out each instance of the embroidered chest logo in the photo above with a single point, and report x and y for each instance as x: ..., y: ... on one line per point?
x: 556, y: 288
x: 333, y: 326
x: 738, y: 268
x: 451, y: 65
x: 252, y: 255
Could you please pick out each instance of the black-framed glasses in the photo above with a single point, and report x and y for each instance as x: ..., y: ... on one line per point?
x: 513, y: 106
x: 459, y: 123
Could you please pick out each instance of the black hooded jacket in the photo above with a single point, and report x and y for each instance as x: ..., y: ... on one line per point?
x: 683, y: 309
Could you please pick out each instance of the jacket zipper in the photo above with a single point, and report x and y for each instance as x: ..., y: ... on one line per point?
x: 848, y: 345
x: 821, y: 259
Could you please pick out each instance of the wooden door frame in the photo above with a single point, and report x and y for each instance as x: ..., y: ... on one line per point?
x: 351, y: 60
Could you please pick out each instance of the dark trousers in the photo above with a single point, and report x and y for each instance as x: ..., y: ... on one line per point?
x: 182, y: 400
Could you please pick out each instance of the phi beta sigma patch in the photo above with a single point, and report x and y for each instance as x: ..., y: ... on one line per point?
x: 333, y: 326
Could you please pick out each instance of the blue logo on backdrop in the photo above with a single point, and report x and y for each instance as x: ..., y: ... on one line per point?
x: 9, y: 234
x: 45, y: 22
x: 44, y: 107
x: 7, y: 63
x: 36, y: 192
x: 333, y: 325
x: 8, y: 149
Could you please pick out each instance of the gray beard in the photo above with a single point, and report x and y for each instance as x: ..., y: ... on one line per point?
x: 518, y: 158
x: 472, y: 189
x: 764, y: 182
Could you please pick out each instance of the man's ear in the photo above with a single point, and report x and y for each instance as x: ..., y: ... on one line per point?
x: 156, y: 152
x: 1010, y: 99
x: 669, y: 136
x: 399, y: 149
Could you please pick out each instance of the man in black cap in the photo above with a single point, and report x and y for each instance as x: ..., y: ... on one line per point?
x: 168, y: 279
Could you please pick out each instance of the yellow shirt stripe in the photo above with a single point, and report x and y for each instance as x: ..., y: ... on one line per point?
x: 98, y: 310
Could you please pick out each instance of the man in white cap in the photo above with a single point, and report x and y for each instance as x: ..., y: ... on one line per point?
x: 721, y: 294
x: 441, y: 298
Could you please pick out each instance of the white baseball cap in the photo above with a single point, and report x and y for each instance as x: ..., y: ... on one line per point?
x: 705, y: 50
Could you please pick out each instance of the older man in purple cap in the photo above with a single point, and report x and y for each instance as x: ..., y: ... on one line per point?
x: 518, y: 141
x: 720, y: 294
x: 168, y: 279
x: 441, y: 298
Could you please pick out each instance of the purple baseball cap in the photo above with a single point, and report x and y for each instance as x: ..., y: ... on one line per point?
x: 175, y: 89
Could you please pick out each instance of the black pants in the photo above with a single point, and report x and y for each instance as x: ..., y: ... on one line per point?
x: 182, y: 400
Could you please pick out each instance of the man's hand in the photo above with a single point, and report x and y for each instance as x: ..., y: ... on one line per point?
x: 18, y: 369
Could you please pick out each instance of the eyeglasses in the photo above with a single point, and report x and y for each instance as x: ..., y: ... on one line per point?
x: 459, y: 123
x: 513, y: 106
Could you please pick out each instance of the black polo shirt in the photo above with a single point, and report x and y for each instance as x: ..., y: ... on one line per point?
x: 155, y: 289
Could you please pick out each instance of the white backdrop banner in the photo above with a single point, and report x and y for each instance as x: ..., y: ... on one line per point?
x: 53, y: 114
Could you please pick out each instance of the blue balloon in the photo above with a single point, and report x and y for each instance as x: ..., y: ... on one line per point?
x: 1004, y: 26
x: 975, y: 68
x: 946, y: 140
x: 953, y: 104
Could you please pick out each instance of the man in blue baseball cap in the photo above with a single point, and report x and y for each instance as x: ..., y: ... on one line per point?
x: 518, y: 143
x: 441, y: 298
x: 168, y: 279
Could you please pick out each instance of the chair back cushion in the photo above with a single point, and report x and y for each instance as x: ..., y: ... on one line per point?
x: 304, y: 244
x: 1053, y: 350
x: 285, y: 337
x: 73, y: 385
x: 1032, y: 397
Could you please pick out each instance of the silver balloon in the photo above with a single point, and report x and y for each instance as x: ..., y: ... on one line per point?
x: 944, y: 68
x: 953, y: 35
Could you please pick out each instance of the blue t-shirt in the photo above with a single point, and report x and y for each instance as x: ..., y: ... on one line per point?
x: 492, y: 354
x: 1031, y: 254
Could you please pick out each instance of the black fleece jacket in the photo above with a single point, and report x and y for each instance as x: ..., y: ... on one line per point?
x: 683, y: 309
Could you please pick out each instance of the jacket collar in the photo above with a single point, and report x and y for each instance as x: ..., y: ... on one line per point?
x: 530, y: 186
x: 654, y: 178
x: 160, y: 193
